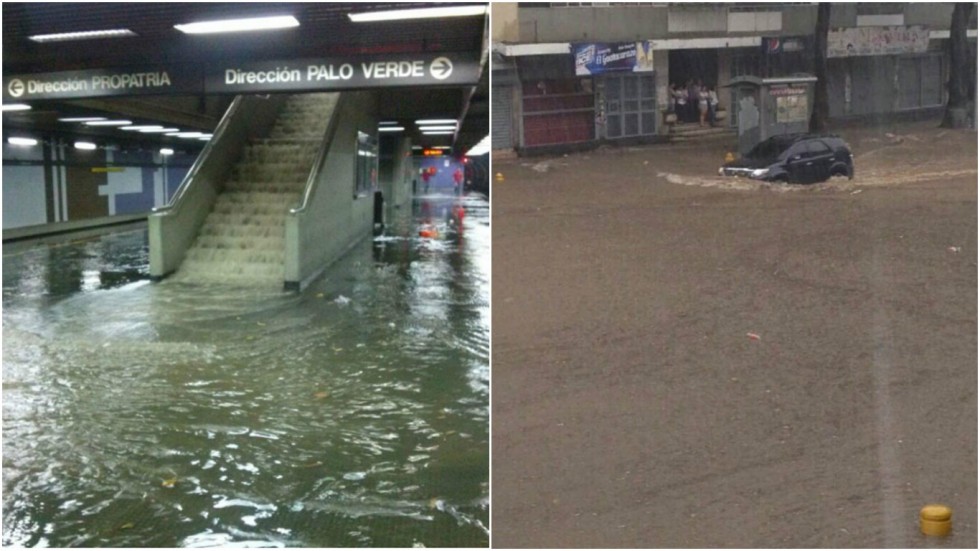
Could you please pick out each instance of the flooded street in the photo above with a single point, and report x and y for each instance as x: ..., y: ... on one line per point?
x: 354, y: 413
x: 688, y: 363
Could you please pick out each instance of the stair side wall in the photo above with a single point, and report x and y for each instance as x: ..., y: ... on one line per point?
x: 334, y: 219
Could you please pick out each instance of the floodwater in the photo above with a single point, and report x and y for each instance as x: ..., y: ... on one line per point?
x: 168, y: 414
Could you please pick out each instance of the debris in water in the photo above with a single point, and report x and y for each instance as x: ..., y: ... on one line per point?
x: 341, y: 300
x: 259, y: 323
x: 856, y: 191
x: 170, y: 482
x: 955, y: 249
x: 321, y: 395
x: 127, y: 526
x: 319, y: 295
x: 753, y: 336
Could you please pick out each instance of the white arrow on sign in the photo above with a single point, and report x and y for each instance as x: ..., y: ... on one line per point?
x: 16, y: 87
x: 441, y: 68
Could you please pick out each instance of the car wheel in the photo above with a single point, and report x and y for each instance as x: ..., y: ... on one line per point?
x: 838, y: 173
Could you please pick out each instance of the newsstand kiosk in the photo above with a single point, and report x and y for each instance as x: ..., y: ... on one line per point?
x: 771, y: 106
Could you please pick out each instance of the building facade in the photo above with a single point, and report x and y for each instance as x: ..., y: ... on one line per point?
x: 571, y: 75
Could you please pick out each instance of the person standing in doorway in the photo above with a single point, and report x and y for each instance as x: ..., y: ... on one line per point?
x: 703, y: 105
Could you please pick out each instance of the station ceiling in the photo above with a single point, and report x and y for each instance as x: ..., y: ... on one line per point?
x: 325, y: 30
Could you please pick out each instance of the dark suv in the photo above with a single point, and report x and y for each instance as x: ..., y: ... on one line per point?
x: 795, y: 158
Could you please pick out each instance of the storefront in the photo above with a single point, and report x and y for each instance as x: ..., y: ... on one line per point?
x: 877, y: 70
x: 557, y: 107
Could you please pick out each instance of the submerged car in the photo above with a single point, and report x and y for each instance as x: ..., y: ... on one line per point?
x: 794, y: 158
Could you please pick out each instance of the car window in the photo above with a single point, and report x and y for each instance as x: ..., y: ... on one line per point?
x: 797, y: 149
x: 817, y: 147
x: 768, y: 149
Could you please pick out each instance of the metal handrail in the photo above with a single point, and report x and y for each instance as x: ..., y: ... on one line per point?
x: 219, y: 132
x: 321, y: 156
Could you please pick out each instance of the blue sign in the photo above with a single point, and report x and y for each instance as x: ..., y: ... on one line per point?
x: 598, y: 58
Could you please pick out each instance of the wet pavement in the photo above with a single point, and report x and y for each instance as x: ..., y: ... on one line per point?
x: 354, y: 413
x: 678, y: 362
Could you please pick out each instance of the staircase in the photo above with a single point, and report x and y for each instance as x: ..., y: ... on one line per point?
x: 242, y: 240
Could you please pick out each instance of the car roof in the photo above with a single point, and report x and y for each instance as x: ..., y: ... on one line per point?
x: 785, y: 140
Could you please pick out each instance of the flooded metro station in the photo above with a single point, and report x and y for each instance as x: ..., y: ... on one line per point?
x: 268, y: 325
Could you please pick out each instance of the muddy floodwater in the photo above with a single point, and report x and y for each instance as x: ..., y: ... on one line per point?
x: 168, y: 414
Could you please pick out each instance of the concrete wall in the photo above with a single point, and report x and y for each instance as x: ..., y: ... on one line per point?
x: 334, y: 219
x: 505, y: 26
x: 616, y: 24
x: 626, y: 23
x: 395, y: 170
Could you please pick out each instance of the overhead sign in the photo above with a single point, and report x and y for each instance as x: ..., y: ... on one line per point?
x: 432, y: 152
x: 598, y: 58
x: 328, y: 74
x: 101, y: 82
x: 859, y: 41
x: 294, y: 75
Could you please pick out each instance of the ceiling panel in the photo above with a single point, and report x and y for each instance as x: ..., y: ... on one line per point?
x: 324, y: 30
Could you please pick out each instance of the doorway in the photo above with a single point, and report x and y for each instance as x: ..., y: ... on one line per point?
x: 630, y: 105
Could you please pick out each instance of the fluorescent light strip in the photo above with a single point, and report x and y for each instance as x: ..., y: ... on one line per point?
x: 421, y: 13
x: 143, y: 127
x: 82, y: 119
x: 16, y: 107
x: 239, y: 25
x: 21, y: 141
x: 185, y: 134
x: 166, y: 151
x: 84, y: 145
x: 445, y: 127
x: 158, y: 130
x: 109, y: 123
x: 435, y: 121
x: 391, y: 129
x: 416, y: 147
x: 84, y: 35
x: 438, y: 132
x: 388, y: 123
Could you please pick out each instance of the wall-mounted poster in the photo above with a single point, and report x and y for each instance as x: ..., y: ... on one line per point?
x: 860, y: 41
x: 598, y: 58
x: 792, y: 108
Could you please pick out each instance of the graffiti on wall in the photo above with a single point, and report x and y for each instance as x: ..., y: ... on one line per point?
x: 860, y: 41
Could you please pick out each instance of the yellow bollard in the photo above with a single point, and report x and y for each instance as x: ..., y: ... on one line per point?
x: 500, y: 177
x: 936, y: 520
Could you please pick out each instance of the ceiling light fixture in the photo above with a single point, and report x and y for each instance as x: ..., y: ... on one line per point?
x: 109, y: 123
x: 158, y: 130
x: 85, y: 145
x: 391, y: 129
x: 21, y: 141
x: 84, y: 35
x: 142, y: 127
x: 443, y: 127
x: 166, y: 151
x: 388, y: 123
x: 438, y: 132
x: 82, y: 119
x: 16, y: 107
x: 435, y: 121
x: 239, y: 25
x: 420, y: 13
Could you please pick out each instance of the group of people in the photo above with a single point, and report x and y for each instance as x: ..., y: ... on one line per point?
x: 694, y: 102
